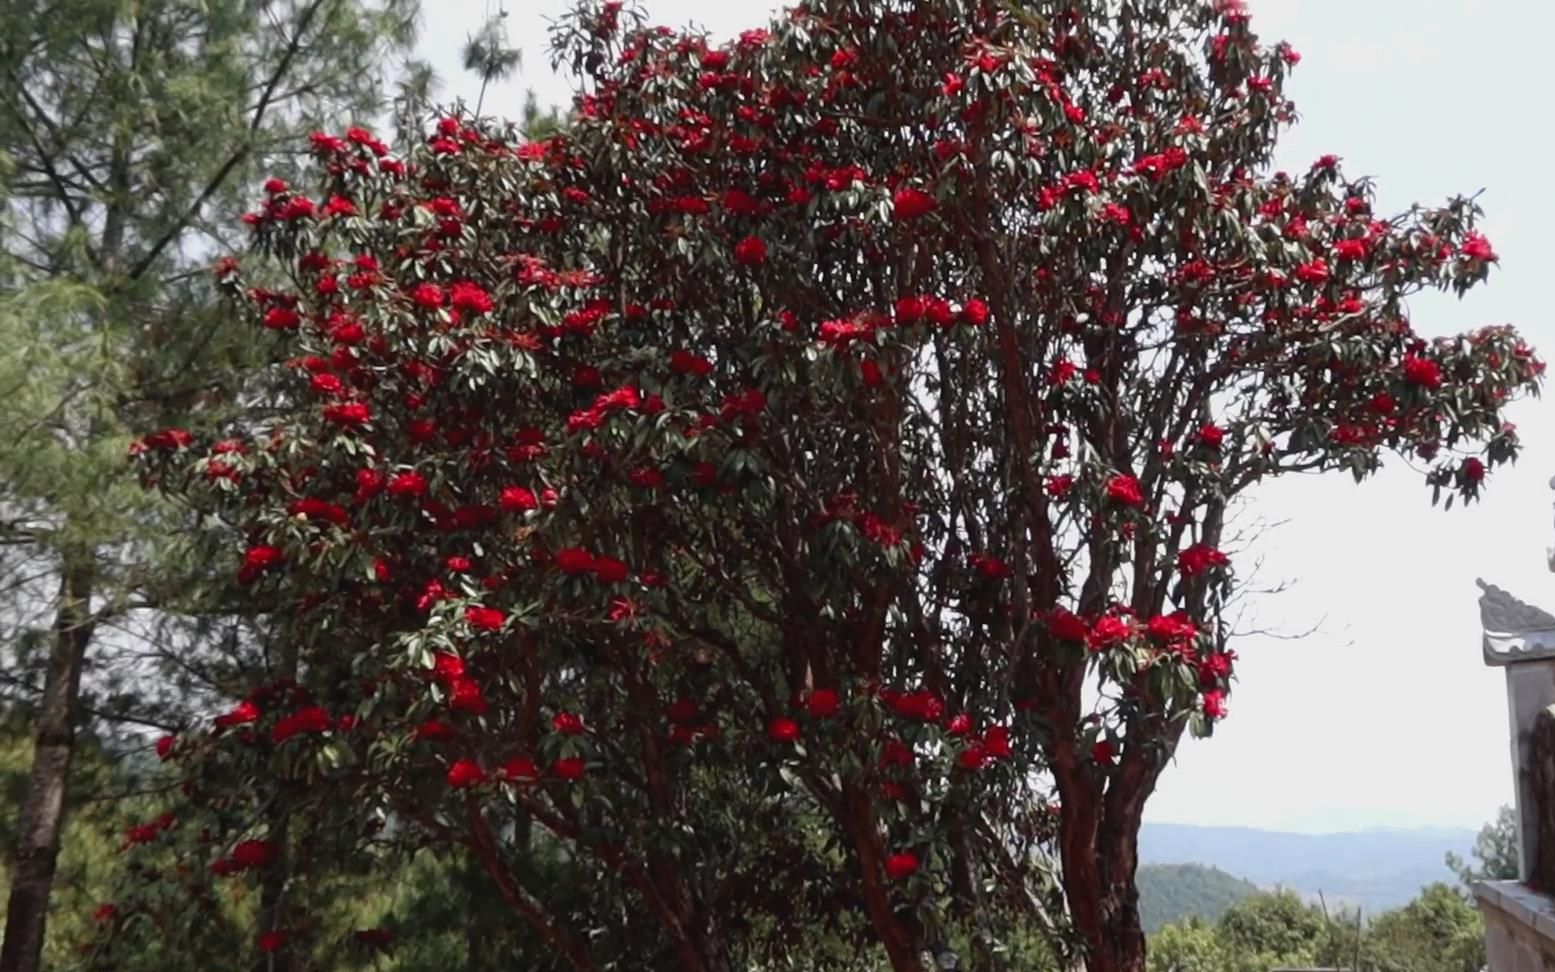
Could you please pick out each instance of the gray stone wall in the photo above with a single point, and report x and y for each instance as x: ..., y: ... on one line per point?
x: 1519, y: 927
x: 1540, y: 783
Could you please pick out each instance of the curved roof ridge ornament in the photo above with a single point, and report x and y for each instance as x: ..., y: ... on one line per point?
x: 1515, y: 630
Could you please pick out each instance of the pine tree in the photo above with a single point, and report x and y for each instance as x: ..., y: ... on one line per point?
x: 129, y: 135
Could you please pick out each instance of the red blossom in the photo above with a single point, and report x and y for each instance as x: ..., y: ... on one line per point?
x: 609, y: 570
x: 518, y: 499
x: 1171, y: 628
x: 447, y: 666
x: 996, y: 742
x: 683, y: 711
x: 250, y: 855
x: 1422, y: 372
x: 574, y: 560
x: 272, y: 941
x: 1124, y: 490
x: 262, y: 557
x: 909, y: 203
x: 520, y: 769
x: 465, y: 695
x: 483, y: 618
x: 750, y: 252
x: 1109, y: 630
x: 901, y: 865
x: 824, y: 703
x: 409, y: 483
x: 1066, y: 626
x: 974, y: 757
x: 311, y: 720
x: 782, y: 730
x: 1199, y: 559
x: 428, y: 296
x: 241, y: 714
x: 1215, y: 704
x: 349, y: 414
x: 465, y: 773
x: 1476, y: 247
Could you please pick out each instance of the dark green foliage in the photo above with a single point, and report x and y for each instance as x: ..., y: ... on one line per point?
x: 1437, y: 932
x: 1440, y: 931
x: 1495, y: 851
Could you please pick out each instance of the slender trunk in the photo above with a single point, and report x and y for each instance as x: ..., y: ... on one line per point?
x: 558, y: 937
x: 966, y: 880
x: 274, y: 915
x: 43, y: 809
x: 858, y: 821
x: 475, y: 885
x: 272, y: 893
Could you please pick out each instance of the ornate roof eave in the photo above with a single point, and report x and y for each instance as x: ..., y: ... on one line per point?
x: 1515, y: 631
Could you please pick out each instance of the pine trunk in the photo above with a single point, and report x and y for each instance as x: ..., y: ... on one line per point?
x: 43, y: 808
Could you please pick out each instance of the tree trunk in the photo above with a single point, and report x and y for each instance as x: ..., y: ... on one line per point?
x: 43, y: 808
x: 1099, y: 847
x: 476, y: 886
x: 1108, y: 920
x: 274, y: 914
x: 1124, y: 938
x: 272, y: 893
x: 858, y: 821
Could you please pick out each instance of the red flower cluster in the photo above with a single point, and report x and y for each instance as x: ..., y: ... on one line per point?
x: 901, y: 865
x: 465, y: 773
x: 483, y: 618
x: 251, y: 855
x: 1124, y: 490
x: 311, y: 720
x: 1200, y: 558
x: 607, y: 570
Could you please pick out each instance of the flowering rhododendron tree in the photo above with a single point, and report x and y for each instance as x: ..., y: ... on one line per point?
x: 810, y: 470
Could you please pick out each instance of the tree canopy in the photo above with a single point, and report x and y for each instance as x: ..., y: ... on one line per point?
x: 798, y: 489
x: 1439, y: 931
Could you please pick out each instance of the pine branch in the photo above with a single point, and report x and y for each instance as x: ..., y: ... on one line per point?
x: 293, y: 47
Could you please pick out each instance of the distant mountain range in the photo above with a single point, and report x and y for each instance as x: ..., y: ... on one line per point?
x: 1374, y: 870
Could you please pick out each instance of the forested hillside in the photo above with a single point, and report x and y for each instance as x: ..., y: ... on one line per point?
x: 1172, y: 892
x: 1372, y: 870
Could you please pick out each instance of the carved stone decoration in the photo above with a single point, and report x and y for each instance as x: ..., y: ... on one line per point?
x: 1540, y: 773
x: 1514, y: 630
x: 1549, y: 552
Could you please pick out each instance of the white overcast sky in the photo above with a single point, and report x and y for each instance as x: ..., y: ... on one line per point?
x: 1386, y: 716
